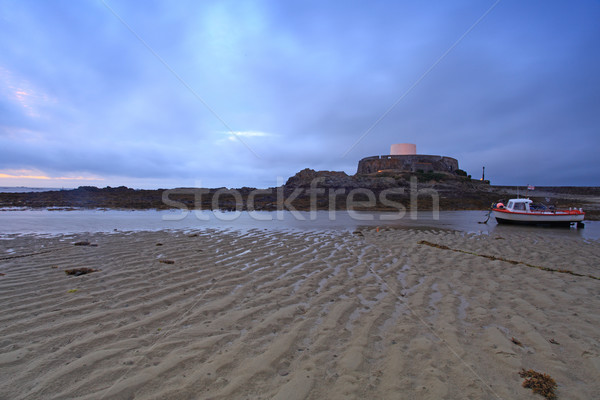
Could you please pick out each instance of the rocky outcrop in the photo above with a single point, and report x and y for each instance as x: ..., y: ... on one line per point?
x: 308, y: 177
x: 337, y: 179
x: 454, y: 192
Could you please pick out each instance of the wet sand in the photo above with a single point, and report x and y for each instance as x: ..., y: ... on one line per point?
x: 295, y: 315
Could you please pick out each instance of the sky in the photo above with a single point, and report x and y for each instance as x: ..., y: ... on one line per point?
x: 162, y: 94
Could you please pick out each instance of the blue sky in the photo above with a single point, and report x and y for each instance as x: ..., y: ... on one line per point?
x: 239, y: 93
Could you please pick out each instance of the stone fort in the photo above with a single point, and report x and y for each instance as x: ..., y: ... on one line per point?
x: 403, y: 157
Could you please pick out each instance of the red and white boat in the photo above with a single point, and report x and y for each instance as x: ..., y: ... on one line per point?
x: 523, y: 211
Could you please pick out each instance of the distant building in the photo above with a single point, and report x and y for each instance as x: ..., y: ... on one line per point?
x: 403, y: 157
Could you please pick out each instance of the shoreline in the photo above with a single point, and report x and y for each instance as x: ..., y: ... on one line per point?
x: 222, y: 314
x: 381, y: 196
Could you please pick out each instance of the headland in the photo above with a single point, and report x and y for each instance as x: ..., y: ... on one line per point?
x: 401, y: 180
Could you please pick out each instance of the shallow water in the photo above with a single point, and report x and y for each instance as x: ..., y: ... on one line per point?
x: 77, y: 221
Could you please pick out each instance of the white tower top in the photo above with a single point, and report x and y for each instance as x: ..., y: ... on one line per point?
x: 403, y: 149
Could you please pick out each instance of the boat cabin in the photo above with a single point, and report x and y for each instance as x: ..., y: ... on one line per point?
x: 519, y: 205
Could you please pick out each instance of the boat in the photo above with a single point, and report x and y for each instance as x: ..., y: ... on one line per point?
x: 524, y: 211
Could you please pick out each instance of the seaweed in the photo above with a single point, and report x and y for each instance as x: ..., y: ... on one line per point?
x: 514, y: 262
x: 540, y: 383
x: 437, y: 246
x: 516, y: 341
x: 80, y: 271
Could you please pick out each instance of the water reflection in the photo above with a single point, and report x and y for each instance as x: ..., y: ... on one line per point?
x: 55, y: 222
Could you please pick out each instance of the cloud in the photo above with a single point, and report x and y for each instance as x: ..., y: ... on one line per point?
x: 240, y: 135
x: 37, y: 178
x: 297, y: 84
x: 22, y: 94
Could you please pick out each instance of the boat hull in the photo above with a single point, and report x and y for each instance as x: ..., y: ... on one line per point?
x: 556, y: 219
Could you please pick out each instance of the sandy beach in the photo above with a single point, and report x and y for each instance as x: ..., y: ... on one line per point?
x: 261, y: 314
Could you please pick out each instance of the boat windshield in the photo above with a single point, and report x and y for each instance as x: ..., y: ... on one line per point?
x: 520, y: 206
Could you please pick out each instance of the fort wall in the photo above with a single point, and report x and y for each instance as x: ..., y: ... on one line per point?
x: 407, y: 163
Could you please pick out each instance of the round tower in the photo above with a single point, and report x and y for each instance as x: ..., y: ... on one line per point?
x: 403, y: 149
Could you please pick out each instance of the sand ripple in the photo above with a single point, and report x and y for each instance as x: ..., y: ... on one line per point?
x: 295, y: 315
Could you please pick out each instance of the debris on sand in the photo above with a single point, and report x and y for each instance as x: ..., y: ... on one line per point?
x: 167, y: 261
x: 540, y: 383
x: 82, y: 243
x: 80, y: 271
x: 516, y: 341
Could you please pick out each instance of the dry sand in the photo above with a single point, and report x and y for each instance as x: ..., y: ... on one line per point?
x: 295, y: 315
